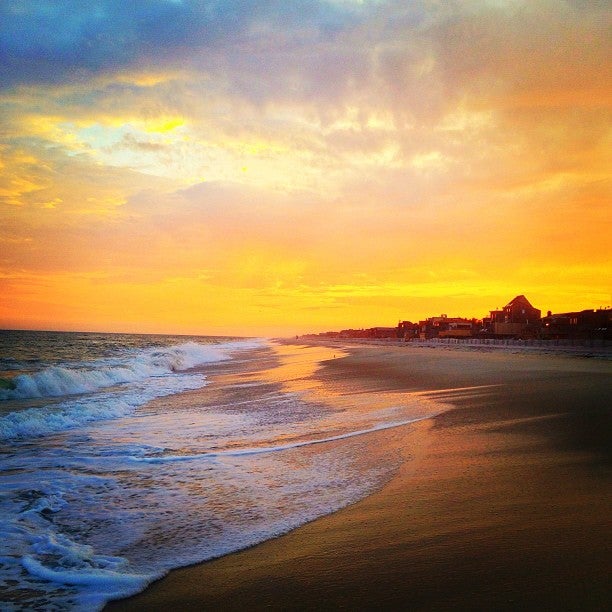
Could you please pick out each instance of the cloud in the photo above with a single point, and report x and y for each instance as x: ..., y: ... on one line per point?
x: 50, y: 42
x: 319, y: 76
x: 67, y: 40
x: 415, y: 60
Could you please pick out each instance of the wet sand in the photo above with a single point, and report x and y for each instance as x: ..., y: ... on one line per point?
x: 503, y: 502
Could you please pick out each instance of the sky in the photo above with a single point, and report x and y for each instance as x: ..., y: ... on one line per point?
x: 277, y: 167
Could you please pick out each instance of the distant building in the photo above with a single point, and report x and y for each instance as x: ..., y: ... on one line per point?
x: 585, y: 324
x: 458, y: 328
x: 407, y: 330
x: 447, y: 327
x: 352, y: 333
x: 517, y: 318
x: 382, y: 332
x: 371, y: 332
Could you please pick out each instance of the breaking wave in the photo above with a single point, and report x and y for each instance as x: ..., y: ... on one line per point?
x: 57, y: 381
x: 107, y: 390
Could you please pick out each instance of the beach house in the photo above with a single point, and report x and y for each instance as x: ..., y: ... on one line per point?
x: 585, y: 324
x: 446, y: 327
x: 517, y: 318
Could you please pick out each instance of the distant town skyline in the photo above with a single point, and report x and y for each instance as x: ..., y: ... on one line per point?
x: 291, y: 167
x: 519, y: 318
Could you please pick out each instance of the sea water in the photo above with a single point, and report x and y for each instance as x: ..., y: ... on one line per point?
x: 124, y: 456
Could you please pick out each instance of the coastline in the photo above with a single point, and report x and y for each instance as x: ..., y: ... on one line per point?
x: 499, y: 503
x: 594, y: 348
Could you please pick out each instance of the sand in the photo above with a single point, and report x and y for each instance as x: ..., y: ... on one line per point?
x: 502, y: 503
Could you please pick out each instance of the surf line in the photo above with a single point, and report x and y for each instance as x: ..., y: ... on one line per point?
x: 428, y: 392
x: 273, y: 449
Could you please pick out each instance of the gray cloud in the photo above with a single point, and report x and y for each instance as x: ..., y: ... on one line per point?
x: 54, y: 41
x: 414, y: 60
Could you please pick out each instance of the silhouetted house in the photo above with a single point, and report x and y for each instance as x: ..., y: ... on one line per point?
x: 458, y: 328
x: 328, y: 334
x: 517, y: 318
x: 446, y: 327
x: 382, y: 332
x: 407, y: 330
x: 586, y: 324
x: 371, y: 332
x: 352, y: 333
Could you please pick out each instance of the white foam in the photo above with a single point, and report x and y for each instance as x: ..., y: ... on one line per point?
x: 57, y: 381
x: 151, y: 374
x: 281, y: 447
x: 57, y: 567
x: 91, y: 577
x: 52, y: 557
x: 35, y: 422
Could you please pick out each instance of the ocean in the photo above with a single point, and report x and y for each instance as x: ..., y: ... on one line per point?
x: 124, y: 456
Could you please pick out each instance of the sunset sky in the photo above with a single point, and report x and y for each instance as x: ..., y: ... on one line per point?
x: 291, y: 166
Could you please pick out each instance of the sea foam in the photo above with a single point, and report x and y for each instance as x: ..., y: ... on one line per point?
x: 148, y: 375
x: 58, y: 381
x: 53, y: 560
x: 35, y: 422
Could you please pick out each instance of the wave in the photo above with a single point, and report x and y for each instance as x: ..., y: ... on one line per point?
x: 280, y: 447
x: 37, y: 422
x: 149, y: 375
x: 53, y: 559
x: 61, y: 380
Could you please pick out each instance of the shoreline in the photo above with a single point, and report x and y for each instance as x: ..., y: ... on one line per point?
x: 595, y: 349
x: 499, y: 502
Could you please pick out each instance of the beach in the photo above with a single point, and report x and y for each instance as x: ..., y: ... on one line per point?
x: 500, y: 501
